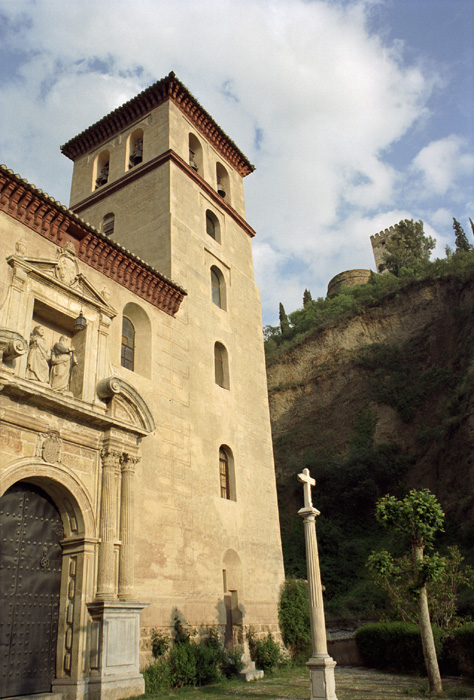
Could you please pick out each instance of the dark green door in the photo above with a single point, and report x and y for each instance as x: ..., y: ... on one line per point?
x: 30, y: 579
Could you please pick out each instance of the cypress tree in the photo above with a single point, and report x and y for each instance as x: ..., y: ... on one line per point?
x: 284, y: 322
x: 307, y: 298
x: 461, y: 241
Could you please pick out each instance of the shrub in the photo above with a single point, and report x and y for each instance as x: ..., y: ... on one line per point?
x: 293, y: 614
x: 183, y: 665
x: 394, y: 646
x: 157, y: 677
x: 232, y: 664
x: 160, y: 643
x: 461, y: 644
x: 265, y: 652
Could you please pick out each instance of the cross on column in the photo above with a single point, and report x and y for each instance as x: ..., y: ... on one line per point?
x: 308, y: 482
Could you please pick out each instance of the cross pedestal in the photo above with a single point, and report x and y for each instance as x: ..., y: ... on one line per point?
x: 321, y: 665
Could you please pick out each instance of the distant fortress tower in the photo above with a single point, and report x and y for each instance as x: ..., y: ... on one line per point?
x: 378, y: 242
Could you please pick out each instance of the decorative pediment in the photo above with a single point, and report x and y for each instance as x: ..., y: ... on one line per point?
x: 62, y: 272
x: 125, y: 403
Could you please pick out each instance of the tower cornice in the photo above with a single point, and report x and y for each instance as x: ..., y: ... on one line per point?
x: 168, y: 88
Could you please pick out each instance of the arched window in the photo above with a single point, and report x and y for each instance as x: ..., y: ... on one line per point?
x: 141, y: 342
x: 135, y: 148
x: 102, y: 169
x: 223, y: 182
x: 108, y: 224
x: 213, y: 228
x: 226, y: 473
x: 217, y: 287
x: 221, y: 366
x: 127, y: 359
x: 195, y: 154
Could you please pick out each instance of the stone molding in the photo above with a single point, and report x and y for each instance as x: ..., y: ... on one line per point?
x: 144, y: 168
x: 37, y: 394
x: 168, y: 88
x: 113, y: 386
x: 56, y: 223
x: 12, y: 345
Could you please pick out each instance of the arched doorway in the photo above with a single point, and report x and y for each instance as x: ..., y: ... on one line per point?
x: 30, y: 579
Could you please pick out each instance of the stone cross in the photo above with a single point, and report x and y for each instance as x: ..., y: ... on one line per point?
x: 321, y: 665
x: 308, y: 481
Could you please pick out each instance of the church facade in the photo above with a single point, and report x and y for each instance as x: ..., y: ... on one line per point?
x: 136, y: 467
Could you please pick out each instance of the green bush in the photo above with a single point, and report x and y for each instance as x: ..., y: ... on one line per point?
x: 157, y: 677
x: 293, y: 614
x: 191, y: 663
x: 394, y: 646
x: 461, y: 646
x: 265, y: 652
x: 160, y: 643
x: 232, y: 664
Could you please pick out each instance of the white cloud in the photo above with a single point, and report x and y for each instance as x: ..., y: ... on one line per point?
x: 441, y: 163
x: 329, y: 98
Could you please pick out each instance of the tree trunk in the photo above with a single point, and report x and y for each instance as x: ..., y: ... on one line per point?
x: 427, y: 639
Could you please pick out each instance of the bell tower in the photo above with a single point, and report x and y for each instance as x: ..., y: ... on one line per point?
x: 160, y: 177
x: 158, y: 172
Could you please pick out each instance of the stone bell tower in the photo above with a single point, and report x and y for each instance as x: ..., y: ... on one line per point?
x: 159, y: 177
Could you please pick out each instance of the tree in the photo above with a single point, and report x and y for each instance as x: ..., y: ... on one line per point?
x: 307, y: 298
x: 406, y: 247
x: 284, y: 322
x: 418, y: 517
x: 461, y: 241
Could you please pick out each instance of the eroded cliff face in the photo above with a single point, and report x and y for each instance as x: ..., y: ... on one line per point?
x: 408, y: 362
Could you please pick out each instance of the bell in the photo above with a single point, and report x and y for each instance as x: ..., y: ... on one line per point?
x: 80, y: 323
x: 220, y: 190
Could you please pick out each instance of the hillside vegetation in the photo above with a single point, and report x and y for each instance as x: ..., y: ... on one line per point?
x: 372, y: 390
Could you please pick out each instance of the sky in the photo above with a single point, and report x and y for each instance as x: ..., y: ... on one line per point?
x: 356, y: 113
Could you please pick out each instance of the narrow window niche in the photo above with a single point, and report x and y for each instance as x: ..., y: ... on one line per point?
x: 221, y: 366
x: 223, y: 182
x: 102, y: 165
x: 195, y: 154
x: 108, y: 224
x: 213, y: 228
x: 218, y: 287
x: 127, y: 355
x: 135, y: 148
x: 226, y: 473
x: 136, y: 344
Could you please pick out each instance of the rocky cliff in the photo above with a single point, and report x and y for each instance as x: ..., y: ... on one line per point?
x: 398, y: 376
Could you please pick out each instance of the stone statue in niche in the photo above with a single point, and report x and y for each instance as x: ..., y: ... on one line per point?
x: 37, y: 366
x: 63, y: 359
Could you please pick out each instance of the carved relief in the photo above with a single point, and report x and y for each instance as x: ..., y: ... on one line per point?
x: 51, y: 447
x: 71, y: 595
x: 67, y: 269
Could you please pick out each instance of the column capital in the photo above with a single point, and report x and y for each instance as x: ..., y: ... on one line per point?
x: 110, y: 458
x: 309, y: 513
x: 129, y: 462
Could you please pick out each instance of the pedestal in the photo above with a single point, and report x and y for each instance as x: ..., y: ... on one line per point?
x: 249, y: 671
x: 321, y: 675
x: 114, y: 650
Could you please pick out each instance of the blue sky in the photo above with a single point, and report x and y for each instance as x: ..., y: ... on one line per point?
x: 356, y: 113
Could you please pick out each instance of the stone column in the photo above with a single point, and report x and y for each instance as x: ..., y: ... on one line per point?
x: 107, y: 529
x: 125, y: 583
x: 321, y: 665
